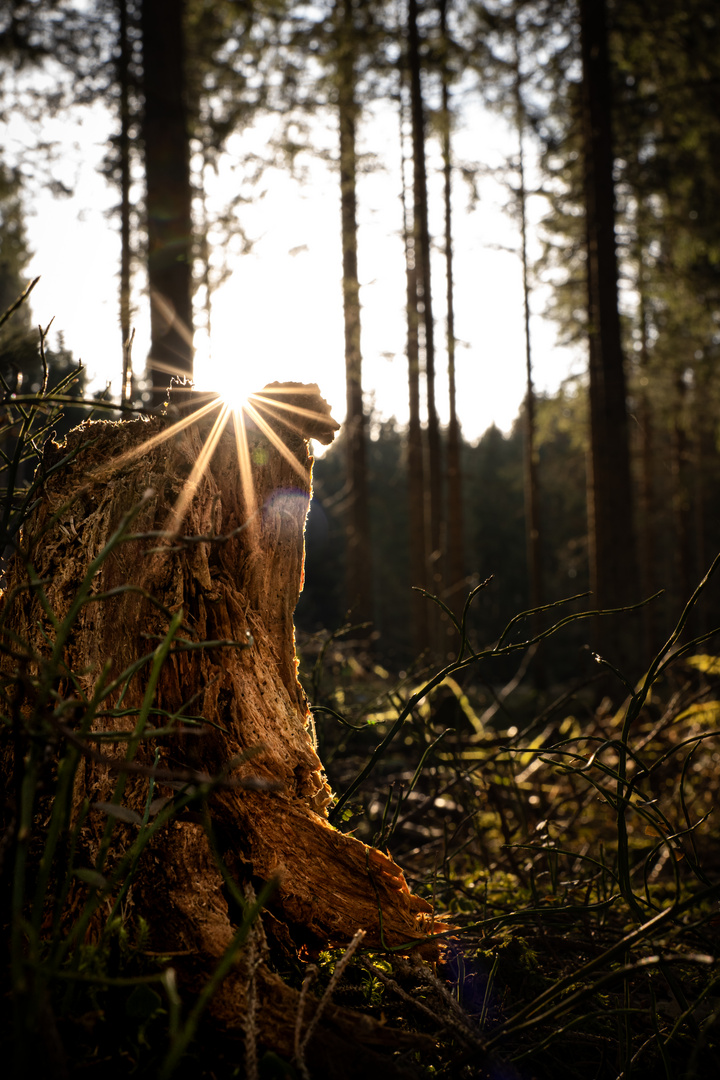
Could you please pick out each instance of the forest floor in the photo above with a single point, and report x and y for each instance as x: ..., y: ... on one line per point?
x: 570, y: 851
x: 574, y: 848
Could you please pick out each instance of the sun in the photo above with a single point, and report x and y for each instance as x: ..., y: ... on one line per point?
x: 237, y: 387
x: 221, y: 367
x: 279, y: 411
x: 235, y: 383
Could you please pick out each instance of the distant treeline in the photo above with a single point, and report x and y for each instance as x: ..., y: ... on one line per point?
x: 685, y: 503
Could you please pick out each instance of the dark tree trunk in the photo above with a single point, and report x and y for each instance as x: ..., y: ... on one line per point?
x: 204, y: 275
x: 165, y: 138
x: 455, y: 524
x: 358, y: 544
x: 681, y: 502
x: 416, y: 471
x: 613, y: 568
x: 704, y: 482
x: 421, y: 237
x: 123, y: 75
x: 533, y: 538
x: 647, y: 546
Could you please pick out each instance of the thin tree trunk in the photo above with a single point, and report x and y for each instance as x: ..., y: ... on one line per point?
x: 421, y: 236
x: 203, y: 256
x: 123, y: 75
x: 455, y: 515
x: 681, y: 494
x: 647, y: 547
x: 358, y: 543
x: 416, y: 479
x: 613, y: 567
x: 704, y: 456
x: 533, y: 539
x: 165, y: 137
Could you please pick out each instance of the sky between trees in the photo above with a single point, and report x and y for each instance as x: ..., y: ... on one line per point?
x: 280, y: 308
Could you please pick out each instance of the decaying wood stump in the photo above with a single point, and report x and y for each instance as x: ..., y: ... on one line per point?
x: 229, y: 554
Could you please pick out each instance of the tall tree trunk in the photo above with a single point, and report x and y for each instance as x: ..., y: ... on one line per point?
x: 165, y: 139
x: 647, y: 546
x: 416, y: 479
x: 613, y: 569
x: 358, y: 543
x: 455, y: 516
x: 533, y: 539
x: 204, y: 276
x: 421, y: 237
x: 123, y: 76
x: 681, y: 503
x: 704, y: 479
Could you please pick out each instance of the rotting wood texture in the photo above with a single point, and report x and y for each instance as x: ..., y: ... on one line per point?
x: 232, y: 561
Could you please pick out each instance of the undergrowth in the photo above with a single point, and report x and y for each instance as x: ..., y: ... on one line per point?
x: 571, y: 856
x: 575, y: 853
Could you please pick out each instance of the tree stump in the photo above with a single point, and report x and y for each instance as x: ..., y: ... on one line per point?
x: 217, y: 534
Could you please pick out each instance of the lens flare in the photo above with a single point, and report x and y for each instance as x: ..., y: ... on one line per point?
x: 280, y: 412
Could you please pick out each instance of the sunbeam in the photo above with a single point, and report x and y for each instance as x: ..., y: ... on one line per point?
x: 245, y: 467
x: 155, y: 440
x: 187, y: 407
x: 168, y: 314
x: 191, y: 484
x: 275, y: 439
x: 276, y: 408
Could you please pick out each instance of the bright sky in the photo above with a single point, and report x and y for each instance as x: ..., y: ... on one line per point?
x: 279, y: 316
